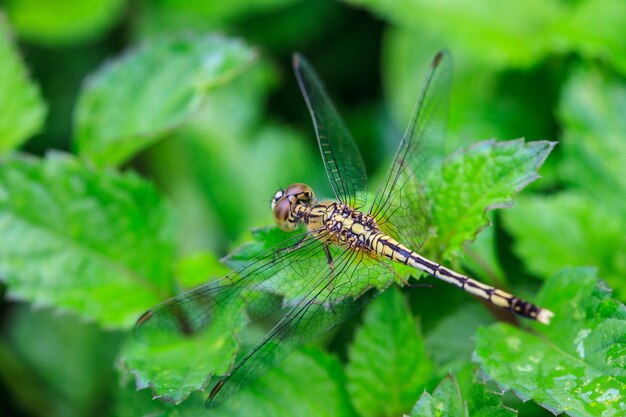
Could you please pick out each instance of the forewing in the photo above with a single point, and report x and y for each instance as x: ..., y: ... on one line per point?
x: 326, y: 302
x: 400, y: 206
x: 342, y: 159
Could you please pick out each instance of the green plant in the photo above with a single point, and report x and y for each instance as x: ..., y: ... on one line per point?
x: 178, y: 143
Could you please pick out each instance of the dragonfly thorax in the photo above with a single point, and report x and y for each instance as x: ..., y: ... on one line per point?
x: 288, y: 205
x: 350, y: 227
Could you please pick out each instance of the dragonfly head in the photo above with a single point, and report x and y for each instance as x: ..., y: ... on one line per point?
x: 286, y: 204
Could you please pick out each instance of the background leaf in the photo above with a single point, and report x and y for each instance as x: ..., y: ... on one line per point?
x: 594, y: 144
x: 487, y: 102
x: 22, y: 109
x: 63, y: 22
x: 460, y: 326
x: 513, y: 33
x: 388, y: 362
x: 114, y: 122
x: 577, y: 363
x: 509, y: 38
x: 569, y: 229
x: 603, y: 41
x: 225, y: 11
x: 230, y: 131
x: 64, y: 364
x: 83, y: 255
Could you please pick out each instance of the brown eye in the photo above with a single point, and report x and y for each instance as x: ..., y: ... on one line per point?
x: 302, y: 191
x: 282, y: 209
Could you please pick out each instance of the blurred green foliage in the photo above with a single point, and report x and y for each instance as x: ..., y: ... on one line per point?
x: 142, y: 140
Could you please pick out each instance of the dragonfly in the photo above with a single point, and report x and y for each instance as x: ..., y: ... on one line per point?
x: 339, y: 253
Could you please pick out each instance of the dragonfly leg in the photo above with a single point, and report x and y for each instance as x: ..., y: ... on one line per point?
x: 293, y: 247
x: 404, y: 280
x: 329, y: 258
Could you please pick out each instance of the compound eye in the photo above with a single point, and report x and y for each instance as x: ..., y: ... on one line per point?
x: 302, y: 191
x: 279, y: 194
x: 282, y: 209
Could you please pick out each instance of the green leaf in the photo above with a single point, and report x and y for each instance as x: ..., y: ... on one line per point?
x: 308, y: 383
x: 594, y: 138
x: 63, y: 22
x: 226, y: 135
x: 482, y: 255
x: 575, y: 365
x: 482, y: 178
x: 480, y: 400
x: 465, y: 397
x: 578, y: 231
x: 388, y: 364
x: 127, y: 401
x: 22, y: 111
x: 136, y: 99
x: 517, y: 33
x: 224, y: 11
x: 445, y: 401
x: 595, y: 29
x: 175, y: 369
x: 174, y: 365
x: 459, y: 326
x: 97, y: 243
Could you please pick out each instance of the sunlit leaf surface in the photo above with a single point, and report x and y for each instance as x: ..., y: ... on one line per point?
x: 66, y: 244
x: 482, y: 178
x: 577, y: 364
x: 158, y: 366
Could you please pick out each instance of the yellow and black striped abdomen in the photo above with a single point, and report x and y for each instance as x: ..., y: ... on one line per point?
x: 387, y: 247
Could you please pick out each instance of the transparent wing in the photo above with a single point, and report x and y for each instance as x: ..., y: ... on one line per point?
x: 294, y: 276
x: 275, y: 271
x: 329, y: 299
x: 343, y: 162
x: 400, y: 206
